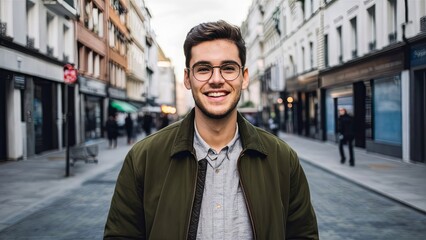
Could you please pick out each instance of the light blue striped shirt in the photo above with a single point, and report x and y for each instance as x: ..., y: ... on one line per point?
x: 224, y: 213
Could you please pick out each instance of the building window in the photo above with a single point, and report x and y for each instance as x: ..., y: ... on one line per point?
x: 311, y: 55
x: 392, y: 21
x: 387, y: 110
x: 51, y: 34
x: 340, y: 45
x: 354, y: 38
x: 32, y: 25
x: 96, y: 65
x: 284, y: 24
x: 372, y: 28
x: 303, y: 59
x: 67, y: 44
x: 90, y: 62
x: 326, y: 50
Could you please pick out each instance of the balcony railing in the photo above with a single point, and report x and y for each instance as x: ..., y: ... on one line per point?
x: 49, y: 51
x: 354, y: 53
x: 392, y: 37
x: 30, y: 42
x: 423, y: 24
x: 3, y: 28
x: 372, y: 46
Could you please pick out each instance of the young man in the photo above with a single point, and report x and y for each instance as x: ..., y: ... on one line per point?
x: 213, y: 175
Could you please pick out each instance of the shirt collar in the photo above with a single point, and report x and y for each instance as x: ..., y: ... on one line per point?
x: 202, y: 148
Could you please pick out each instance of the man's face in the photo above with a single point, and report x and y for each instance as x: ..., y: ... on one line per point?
x: 217, y: 97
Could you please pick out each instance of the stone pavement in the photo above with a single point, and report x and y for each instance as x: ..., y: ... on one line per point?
x: 29, y: 185
x: 388, y: 176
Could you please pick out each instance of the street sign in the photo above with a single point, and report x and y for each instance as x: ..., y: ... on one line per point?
x: 70, y: 74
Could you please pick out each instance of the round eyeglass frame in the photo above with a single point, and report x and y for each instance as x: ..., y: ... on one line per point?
x: 220, y: 71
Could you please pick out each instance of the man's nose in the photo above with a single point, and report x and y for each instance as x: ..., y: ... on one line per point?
x: 216, y: 76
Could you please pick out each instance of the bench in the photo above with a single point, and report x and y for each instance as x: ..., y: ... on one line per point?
x: 86, y: 152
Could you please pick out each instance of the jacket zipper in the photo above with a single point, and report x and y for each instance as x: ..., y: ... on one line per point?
x: 245, y: 196
x: 193, y: 196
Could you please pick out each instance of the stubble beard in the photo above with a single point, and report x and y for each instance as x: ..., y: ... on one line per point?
x: 211, y: 115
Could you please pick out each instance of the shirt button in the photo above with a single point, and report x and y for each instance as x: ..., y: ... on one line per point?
x: 217, y: 170
x: 218, y: 206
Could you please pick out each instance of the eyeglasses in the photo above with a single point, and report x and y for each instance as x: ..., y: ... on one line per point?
x: 228, y: 71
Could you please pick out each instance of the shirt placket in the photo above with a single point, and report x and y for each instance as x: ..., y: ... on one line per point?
x: 219, y: 196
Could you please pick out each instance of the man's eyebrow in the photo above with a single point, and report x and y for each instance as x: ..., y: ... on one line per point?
x: 209, y: 63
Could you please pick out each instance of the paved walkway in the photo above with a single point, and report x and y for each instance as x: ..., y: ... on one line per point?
x: 29, y: 185
x: 391, y: 177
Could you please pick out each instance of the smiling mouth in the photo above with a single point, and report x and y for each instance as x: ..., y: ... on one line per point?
x: 216, y: 94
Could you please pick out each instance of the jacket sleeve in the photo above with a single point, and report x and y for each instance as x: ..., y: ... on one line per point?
x: 126, y: 214
x: 301, y: 220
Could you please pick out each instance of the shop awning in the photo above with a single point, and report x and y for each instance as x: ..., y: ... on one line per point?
x: 123, y: 106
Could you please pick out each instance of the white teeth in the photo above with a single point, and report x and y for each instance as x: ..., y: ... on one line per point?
x: 216, y: 94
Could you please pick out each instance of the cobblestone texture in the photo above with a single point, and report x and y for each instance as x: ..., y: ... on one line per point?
x: 347, y: 211
x: 344, y: 211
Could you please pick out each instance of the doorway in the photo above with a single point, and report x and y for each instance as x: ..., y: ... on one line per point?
x: 418, y: 116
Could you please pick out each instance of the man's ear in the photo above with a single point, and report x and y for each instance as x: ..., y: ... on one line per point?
x: 246, y: 79
x: 186, y: 79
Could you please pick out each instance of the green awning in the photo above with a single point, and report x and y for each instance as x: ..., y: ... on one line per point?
x: 123, y: 106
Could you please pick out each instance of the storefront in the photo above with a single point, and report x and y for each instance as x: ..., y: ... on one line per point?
x: 301, y: 105
x: 418, y: 102
x: 93, y: 94
x: 44, y: 115
x: 370, y: 90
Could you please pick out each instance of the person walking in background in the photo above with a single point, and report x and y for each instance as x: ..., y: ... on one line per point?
x: 346, y: 135
x: 212, y: 175
x: 111, y: 128
x: 128, y: 124
x: 147, y: 123
x: 164, y: 121
x: 273, y: 126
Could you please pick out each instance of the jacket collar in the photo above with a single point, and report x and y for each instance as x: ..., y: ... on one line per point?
x: 185, y: 136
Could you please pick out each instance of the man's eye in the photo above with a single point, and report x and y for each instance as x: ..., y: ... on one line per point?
x: 202, y: 69
x: 229, y: 68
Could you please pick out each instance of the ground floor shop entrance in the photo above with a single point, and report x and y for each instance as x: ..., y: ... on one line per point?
x: 418, y: 116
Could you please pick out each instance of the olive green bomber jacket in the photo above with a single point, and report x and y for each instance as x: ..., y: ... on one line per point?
x: 155, y: 189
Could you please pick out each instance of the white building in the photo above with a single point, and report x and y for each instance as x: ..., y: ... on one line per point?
x: 364, y: 55
x: 166, y: 80
x: 37, y: 39
x: 136, y: 77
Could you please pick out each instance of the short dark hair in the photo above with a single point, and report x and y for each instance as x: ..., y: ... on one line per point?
x: 211, y: 31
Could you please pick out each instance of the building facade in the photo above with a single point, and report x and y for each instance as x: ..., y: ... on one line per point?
x: 366, y: 56
x: 109, y: 42
x: 36, y: 40
x: 93, y: 79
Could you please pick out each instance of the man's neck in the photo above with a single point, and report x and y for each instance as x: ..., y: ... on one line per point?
x: 216, y: 132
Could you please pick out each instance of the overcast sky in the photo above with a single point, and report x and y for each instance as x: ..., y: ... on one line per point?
x: 172, y: 19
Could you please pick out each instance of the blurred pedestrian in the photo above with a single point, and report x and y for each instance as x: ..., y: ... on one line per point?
x: 346, y: 135
x: 128, y: 124
x: 111, y: 128
x: 164, y: 121
x: 273, y: 125
x: 255, y: 186
x: 147, y: 123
